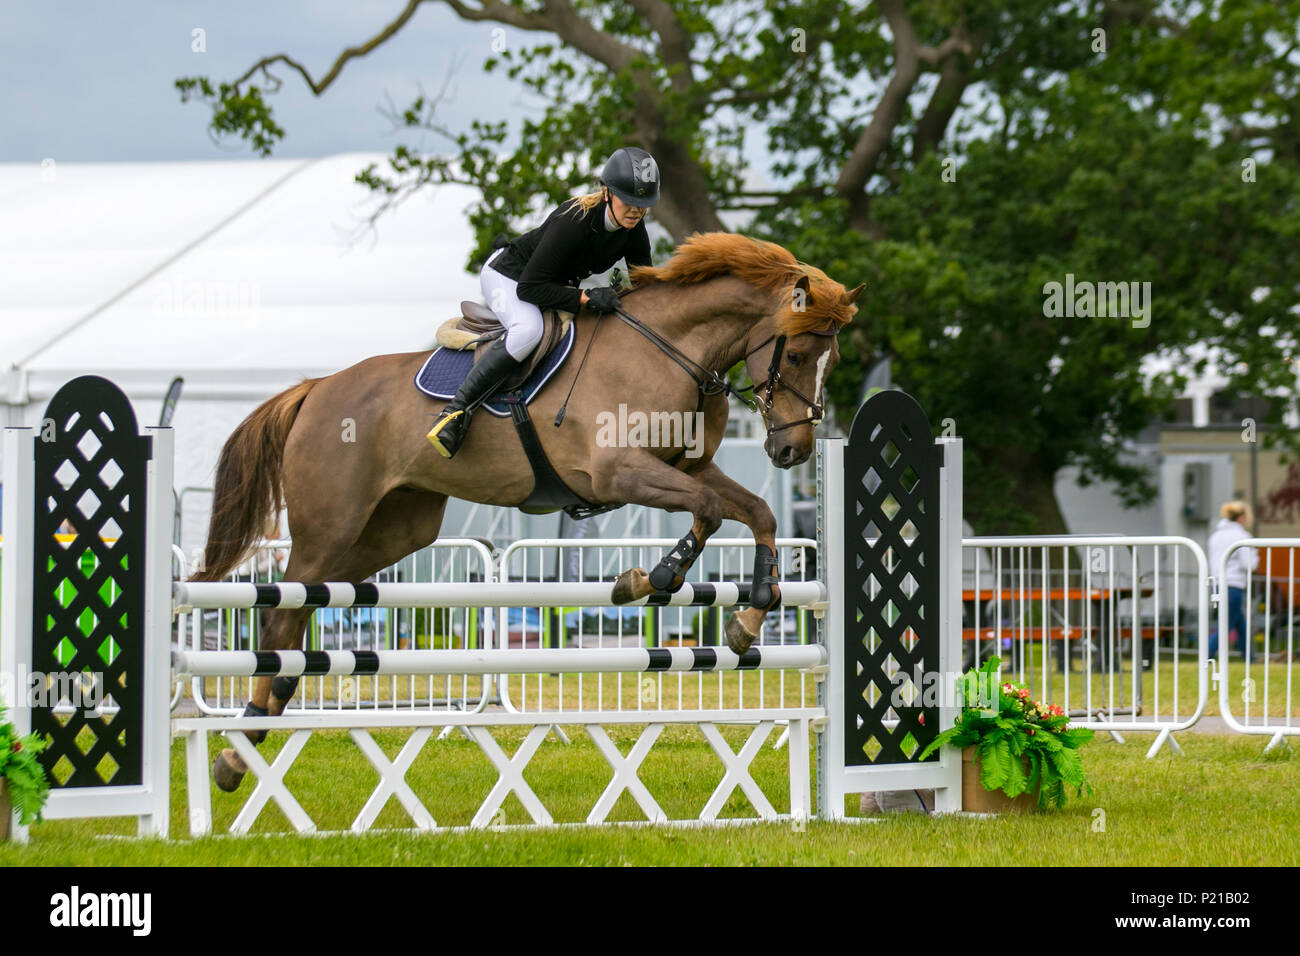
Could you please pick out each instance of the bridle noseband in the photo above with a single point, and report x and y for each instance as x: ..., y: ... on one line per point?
x: 763, y: 405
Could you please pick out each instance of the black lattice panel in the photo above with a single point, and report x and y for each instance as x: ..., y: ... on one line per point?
x: 891, y: 603
x: 88, y: 598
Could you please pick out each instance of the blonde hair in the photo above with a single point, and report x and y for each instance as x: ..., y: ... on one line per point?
x: 1233, y: 510
x: 581, y: 205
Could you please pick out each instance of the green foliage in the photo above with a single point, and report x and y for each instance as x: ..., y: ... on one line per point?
x: 28, y: 786
x: 1023, y: 744
x: 240, y: 112
x: 1125, y: 165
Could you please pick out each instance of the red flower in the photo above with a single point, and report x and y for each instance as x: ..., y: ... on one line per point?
x: 921, y: 719
x: 17, y: 746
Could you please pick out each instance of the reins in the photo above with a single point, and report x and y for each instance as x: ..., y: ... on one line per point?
x: 707, y: 381
x: 710, y: 383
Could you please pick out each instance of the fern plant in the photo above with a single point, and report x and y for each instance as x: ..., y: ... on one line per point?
x: 29, y: 788
x: 1018, y: 727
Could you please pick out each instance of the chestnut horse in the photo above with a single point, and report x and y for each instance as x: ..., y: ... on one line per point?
x: 346, y: 455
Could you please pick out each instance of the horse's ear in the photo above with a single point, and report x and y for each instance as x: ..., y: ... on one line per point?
x: 803, y: 283
x: 852, y: 295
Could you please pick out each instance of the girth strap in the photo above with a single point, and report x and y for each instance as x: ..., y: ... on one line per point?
x: 549, y: 489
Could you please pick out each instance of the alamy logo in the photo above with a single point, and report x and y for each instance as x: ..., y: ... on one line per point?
x: 75, y: 908
x: 645, y: 171
x: 206, y: 298
x: 651, y: 430
x: 81, y: 690
x: 923, y: 688
x: 1116, y: 300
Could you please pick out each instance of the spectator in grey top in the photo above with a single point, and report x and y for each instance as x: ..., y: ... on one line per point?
x: 1232, y: 527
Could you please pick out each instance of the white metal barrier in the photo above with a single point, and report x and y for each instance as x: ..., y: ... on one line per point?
x: 1130, y: 612
x: 1263, y: 683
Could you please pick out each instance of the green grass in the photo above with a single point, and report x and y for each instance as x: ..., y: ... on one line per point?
x: 1223, y: 803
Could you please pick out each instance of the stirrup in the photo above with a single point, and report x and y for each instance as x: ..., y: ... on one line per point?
x: 440, y: 441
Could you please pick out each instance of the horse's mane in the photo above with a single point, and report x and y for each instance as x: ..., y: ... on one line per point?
x: 764, y: 265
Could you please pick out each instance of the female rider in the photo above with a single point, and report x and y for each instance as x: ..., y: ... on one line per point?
x: 541, y: 270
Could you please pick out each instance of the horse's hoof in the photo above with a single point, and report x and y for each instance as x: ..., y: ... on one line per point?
x: 631, y: 585
x: 738, y: 638
x: 228, y: 771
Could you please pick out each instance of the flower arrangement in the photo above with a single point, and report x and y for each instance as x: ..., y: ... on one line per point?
x: 1022, y: 743
x: 28, y: 786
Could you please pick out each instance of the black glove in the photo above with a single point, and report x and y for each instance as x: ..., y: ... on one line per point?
x: 602, y: 298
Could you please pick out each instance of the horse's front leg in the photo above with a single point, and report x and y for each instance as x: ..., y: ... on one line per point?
x: 643, y: 479
x: 741, y: 504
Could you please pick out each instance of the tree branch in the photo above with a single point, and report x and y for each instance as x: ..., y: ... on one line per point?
x: 954, y: 76
x: 350, y: 53
x: 502, y: 13
x: 874, y: 138
x: 1245, y: 131
x: 674, y: 39
x: 1140, y: 12
x: 934, y: 55
x: 561, y: 19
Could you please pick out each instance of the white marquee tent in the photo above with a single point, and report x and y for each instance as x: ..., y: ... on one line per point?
x: 242, y: 276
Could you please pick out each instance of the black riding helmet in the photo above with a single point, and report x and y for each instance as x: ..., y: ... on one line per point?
x: 633, y: 176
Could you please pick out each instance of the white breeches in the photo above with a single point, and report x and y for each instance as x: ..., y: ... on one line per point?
x: 523, y: 320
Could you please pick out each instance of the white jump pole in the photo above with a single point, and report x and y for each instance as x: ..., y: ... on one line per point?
x: 222, y: 594
x: 526, y: 661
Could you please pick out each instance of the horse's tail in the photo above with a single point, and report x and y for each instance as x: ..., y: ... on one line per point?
x: 249, y: 492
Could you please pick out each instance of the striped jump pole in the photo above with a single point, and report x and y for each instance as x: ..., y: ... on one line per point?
x: 528, y: 661
x: 222, y: 594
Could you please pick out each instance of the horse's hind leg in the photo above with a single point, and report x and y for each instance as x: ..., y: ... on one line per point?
x: 405, y: 520
x: 278, y: 626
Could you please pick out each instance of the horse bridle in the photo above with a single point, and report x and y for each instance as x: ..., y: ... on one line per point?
x: 710, y: 383
x: 774, y: 381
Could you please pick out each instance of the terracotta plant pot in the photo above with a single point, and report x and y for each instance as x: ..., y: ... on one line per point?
x: 6, y: 811
x: 975, y: 799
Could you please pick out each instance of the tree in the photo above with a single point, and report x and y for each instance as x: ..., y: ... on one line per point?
x: 959, y: 157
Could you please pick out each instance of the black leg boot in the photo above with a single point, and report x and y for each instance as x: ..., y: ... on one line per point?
x: 484, y: 378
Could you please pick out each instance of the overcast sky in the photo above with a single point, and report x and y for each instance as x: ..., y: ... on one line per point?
x: 92, y: 80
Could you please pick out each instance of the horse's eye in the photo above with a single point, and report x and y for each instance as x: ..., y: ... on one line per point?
x: 794, y: 357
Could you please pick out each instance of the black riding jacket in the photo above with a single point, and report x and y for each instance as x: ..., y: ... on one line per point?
x: 548, y: 262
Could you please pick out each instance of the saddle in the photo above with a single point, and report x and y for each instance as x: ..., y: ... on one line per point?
x: 477, y: 324
x: 443, y: 371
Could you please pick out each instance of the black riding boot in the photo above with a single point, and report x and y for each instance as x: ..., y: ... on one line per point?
x: 483, y: 379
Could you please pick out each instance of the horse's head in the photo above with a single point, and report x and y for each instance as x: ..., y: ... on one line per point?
x: 789, y: 358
